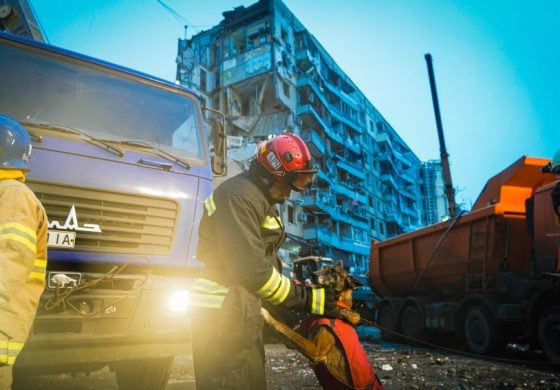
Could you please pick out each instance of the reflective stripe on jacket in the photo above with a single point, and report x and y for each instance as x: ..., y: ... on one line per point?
x: 9, y: 351
x: 239, y: 236
x: 208, y: 294
x: 23, y: 263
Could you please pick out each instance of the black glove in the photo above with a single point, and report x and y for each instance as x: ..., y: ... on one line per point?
x: 320, y: 301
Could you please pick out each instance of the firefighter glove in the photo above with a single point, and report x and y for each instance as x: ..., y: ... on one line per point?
x: 320, y: 301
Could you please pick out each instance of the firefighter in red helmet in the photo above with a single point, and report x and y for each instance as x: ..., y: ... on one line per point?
x: 239, y: 236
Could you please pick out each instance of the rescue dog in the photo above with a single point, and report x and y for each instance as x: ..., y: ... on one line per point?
x: 332, y: 345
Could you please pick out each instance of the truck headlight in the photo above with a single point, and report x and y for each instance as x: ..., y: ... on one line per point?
x: 178, y: 301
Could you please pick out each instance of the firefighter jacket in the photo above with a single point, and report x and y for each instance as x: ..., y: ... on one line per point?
x: 239, y: 235
x: 359, y: 371
x: 23, y: 262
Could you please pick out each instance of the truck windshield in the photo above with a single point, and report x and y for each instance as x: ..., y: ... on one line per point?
x: 111, y: 106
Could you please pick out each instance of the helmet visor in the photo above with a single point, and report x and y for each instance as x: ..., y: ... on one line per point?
x: 301, y: 180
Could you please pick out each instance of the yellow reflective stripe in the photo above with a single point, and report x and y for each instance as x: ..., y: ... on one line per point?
x: 271, y: 223
x: 276, y: 288
x: 210, y: 205
x: 22, y: 240
x: 39, y: 269
x: 20, y: 233
x: 208, y: 294
x: 9, y: 350
x: 40, y: 263
x: 282, y: 293
x: 20, y: 227
x: 271, y: 284
x: 318, y: 301
x: 208, y: 286
x: 207, y: 301
x: 37, y: 275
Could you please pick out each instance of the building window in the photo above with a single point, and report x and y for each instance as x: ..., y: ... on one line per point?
x: 291, y: 214
x: 283, y: 34
x: 203, y: 77
x: 286, y: 89
x: 381, y: 228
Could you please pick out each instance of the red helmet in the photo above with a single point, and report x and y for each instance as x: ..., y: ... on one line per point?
x: 286, y: 157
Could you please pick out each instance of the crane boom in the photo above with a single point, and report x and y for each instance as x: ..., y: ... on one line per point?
x: 448, y: 184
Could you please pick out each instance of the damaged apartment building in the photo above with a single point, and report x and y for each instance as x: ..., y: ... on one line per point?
x: 268, y: 74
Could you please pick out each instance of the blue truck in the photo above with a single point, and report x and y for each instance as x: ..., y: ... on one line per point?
x: 122, y: 162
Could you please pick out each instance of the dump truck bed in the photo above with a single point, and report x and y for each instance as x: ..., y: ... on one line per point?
x: 467, y: 252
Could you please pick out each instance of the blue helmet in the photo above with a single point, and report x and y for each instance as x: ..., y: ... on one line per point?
x: 15, y: 144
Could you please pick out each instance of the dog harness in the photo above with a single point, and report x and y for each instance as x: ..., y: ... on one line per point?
x: 359, y: 370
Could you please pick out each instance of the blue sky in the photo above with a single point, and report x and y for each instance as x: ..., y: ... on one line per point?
x: 496, y: 63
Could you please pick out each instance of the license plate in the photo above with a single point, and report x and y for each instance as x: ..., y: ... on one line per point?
x: 60, y: 239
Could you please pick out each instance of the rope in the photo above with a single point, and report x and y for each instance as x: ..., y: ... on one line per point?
x: 459, y: 352
x: 61, y: 298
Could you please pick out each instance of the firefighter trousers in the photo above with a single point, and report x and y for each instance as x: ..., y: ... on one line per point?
x: 228, y: 349
x: 6, y: 377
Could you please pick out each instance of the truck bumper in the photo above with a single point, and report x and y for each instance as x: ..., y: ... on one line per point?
x: 97, y: 326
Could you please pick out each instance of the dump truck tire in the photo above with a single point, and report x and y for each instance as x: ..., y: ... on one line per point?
x: 412, y: 324
x: 481, y: 331
x: 387, y: 320
x: 549, y: 333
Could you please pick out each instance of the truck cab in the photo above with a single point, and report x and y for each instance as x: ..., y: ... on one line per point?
x: 121, y: 162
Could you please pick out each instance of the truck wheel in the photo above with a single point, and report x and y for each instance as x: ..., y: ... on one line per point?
x: 481, y: 332
x: 549, y: 333
x: 412, y: 325
x: 388, y: 323
x: 150, y: 374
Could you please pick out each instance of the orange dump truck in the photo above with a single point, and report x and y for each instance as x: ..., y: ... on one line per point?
x: 490, y: 276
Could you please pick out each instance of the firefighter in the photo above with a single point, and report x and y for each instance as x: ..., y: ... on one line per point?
x: 23, y: 246
x: 239, y: 236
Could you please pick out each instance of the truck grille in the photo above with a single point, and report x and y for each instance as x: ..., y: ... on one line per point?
x: 129, y: 224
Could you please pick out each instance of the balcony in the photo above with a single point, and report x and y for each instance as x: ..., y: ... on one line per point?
x: 308, y: 109
x: 314, y: 142
x: 341, y: 117
x: 384, y: 138
x: 407, y: 177
x: 408, y: 194
x: 390, y: 180
x: 341, y: 94
x: 326, y: 237
x: 410, y: 212
x: 394, y: 217
x: 319, y: 92
x: 351, y: 168
x: 342, y: 188
x: 405, y: 161
x: 304, y: 59
x: 323, y: 203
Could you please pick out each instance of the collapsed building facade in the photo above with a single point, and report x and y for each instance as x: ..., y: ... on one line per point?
x: 268, y: 74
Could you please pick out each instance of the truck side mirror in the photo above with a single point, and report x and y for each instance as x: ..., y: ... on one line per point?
x: 219, y: 157
x: 219, y: 139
